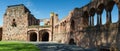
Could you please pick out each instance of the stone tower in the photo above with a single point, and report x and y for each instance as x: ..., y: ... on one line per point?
x: 53, y: 21
x: 56, y: 18
x: 53, y: 18
x: 15, y: 23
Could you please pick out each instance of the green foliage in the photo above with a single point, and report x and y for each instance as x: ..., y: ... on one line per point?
x: 17, y: 46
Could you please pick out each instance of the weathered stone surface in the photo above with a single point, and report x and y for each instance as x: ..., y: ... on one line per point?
x: 16, y: 21
x: 78, y: 27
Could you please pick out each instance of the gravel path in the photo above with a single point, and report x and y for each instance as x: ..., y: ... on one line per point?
x: 50, y: 46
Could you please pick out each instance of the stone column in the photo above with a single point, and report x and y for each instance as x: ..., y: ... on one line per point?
x: 110, y: 17
x: 37, y: 37
x: 107, y: 18
x: 92, y: 20
x: 97, y: 19
x: 28, y: 37
x: 100, y: 19
x: 119, y: 16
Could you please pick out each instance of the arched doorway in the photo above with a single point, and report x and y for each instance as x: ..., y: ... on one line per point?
x: 33, y: 36
x: 71, y: 42
x: 45, y: 36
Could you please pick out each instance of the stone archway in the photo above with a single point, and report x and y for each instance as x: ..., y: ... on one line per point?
x: 45, y: 36
x: 33, y: 36
x: 71, y: 42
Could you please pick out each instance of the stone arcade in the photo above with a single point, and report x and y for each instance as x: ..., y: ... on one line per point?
x: 77, y: 28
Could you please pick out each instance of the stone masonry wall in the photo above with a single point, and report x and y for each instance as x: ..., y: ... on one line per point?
x: 15, y: 23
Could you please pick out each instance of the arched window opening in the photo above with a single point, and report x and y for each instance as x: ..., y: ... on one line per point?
x: 95, y: 19
x: 100, y: 11
x: 114, y: 14
x: 73, y: 24
x: 92, y: 13
x: 14, y: 23
x: 104, y: 17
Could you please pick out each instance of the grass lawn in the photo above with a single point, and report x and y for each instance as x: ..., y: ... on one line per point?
x: 17, y: 46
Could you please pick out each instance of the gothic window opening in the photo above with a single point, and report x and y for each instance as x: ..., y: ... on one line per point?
x: 14, y: 23
x: 114, y: 14
x: 72, y: 24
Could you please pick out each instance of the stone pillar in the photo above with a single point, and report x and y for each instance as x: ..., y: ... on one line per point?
x: 100, y: 19
x: 92, y: 20
x: 119, y: 16
x: 28, y: 37
x: 107, y: 18
x: 110, y: 17
x: 38, y: 37
x: 97, y: 19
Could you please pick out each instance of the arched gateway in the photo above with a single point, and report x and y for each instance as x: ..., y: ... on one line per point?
x: 45, y: 36
x: 41, y: 35
x: 33, y: 36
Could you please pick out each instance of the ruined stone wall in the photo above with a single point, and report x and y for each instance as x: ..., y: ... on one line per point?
x: 15, y: 23
x: 86, y: 34
x: 99, y: 36
x: 62, y: 30
x: 32, y: 20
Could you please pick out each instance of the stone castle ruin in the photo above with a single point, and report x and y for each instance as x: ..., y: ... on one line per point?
x: 77, y: 28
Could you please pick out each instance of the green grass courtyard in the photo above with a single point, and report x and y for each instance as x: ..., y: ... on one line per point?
x: 17, y: 46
